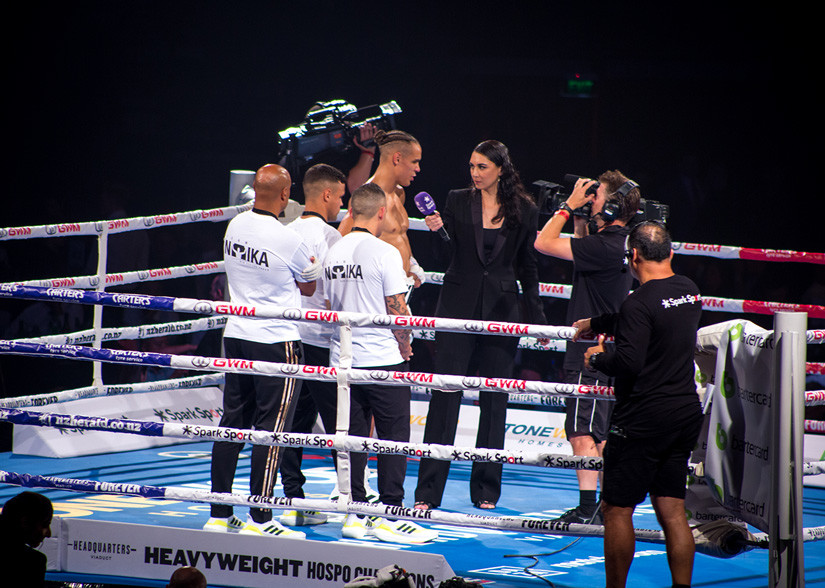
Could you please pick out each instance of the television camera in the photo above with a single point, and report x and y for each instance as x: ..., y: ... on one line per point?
x: 332, y: 125
x: 550, y: 196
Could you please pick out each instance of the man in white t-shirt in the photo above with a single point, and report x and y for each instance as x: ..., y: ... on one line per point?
x: 364, y: 274
x: 323, y: 188
x: 266, y: 263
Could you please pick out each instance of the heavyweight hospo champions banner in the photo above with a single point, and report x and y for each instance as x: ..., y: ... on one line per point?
x: 143, y: 551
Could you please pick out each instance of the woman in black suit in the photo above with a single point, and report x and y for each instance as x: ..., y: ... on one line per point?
x: 492, y: 227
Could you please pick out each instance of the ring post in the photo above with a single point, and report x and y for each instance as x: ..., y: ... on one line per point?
x: 342, y: 460
x: 97, y: 320
x: 240, y: 182
x: 786, y: 559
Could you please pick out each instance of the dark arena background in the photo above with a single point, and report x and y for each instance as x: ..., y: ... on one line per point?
x: 117, y: 109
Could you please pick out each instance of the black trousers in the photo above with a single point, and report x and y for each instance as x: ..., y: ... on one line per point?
x: 463, y: 354
x: 316, y: 398
x: 390, y: 407
x: 263, y: 403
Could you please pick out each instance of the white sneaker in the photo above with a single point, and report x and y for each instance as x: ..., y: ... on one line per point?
x: 372, y: 495
x: 301, y: 518
x: 359, y: 526
x: 231, y: 524
x: 270, y: 529
x: 403, y: 532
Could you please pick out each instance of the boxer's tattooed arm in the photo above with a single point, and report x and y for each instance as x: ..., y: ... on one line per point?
x: 397, y: 306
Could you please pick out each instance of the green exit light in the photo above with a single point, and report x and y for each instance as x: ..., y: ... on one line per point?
x: 578, y: 86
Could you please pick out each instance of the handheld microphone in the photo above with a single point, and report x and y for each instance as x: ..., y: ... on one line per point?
x: 426, y: 206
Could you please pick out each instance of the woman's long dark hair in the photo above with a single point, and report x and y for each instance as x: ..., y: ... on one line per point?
x: 511, y: 192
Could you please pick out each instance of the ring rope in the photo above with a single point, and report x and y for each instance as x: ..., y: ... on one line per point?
x: 192, y: 305
x: 125, y: 278
x: 304, y: 372
x: 209, y: 307
x: 510, y: 523
x: 562, y: 291
x: 717, y: 251
x: 124, y: 225
x: 140, y: 332
x: 349, y: 443
x: 523, y: 524
x: 814, y: 397
x: 813, y: 468
x: 338, y: 442
x: 148, y: 331
x: 709, y: 303
x: 96, y: 391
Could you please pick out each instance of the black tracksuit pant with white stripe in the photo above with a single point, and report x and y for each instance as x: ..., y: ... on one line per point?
x: 263, y: 403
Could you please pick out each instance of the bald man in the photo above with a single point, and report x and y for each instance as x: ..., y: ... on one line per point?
x: 187, y: 577
x: 266, y: 263
x: 399, y: 162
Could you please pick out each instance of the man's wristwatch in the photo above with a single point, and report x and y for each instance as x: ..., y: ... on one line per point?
x: 565, y: 206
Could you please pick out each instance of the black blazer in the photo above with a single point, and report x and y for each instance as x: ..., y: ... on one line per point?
x: 471, y: 277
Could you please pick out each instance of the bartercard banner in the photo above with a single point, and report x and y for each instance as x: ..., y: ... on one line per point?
x: 737, y: 464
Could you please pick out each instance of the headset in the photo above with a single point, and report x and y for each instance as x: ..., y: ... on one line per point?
x: 614, y: 209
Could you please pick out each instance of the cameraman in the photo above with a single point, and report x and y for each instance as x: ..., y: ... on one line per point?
x: 601, y: 282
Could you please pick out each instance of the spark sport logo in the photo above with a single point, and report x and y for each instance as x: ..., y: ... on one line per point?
x: 487, y: 456
x: 343, y: 272
x: 685, y: 299
x: 395, y: 449
x: 169, y: 415
x: 244, y: 253
x: 573, y: 462
x: 301, y: 440
x: 208, y: 432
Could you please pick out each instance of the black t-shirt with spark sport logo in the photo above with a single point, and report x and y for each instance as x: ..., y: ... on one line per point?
x: 652, y: 364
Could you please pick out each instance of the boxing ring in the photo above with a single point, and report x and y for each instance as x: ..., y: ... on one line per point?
x: 92, y: 544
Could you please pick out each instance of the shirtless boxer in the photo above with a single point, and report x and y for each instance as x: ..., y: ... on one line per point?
x: 399, y: 162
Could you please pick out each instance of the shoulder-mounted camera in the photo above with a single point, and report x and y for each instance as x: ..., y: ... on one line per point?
x: 550, y: 196
x: 332, y: 125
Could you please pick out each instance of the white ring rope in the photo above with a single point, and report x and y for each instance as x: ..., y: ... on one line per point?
x: 124, y: 225
x: 125, y: 278
x: 511, y: 523
x: 130, y: 333
x: 523, y: 524
x: 113, y: 390
x: 209, y: 307
x: 338, y: 442
x: 717, y: 251
x: 304, y: 372
x: 562, y: 291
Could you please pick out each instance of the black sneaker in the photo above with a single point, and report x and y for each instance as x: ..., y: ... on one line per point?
x: 580, y: 516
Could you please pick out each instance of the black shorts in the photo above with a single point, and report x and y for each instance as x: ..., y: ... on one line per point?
x: 586, y: 416
x: 634, y: 467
